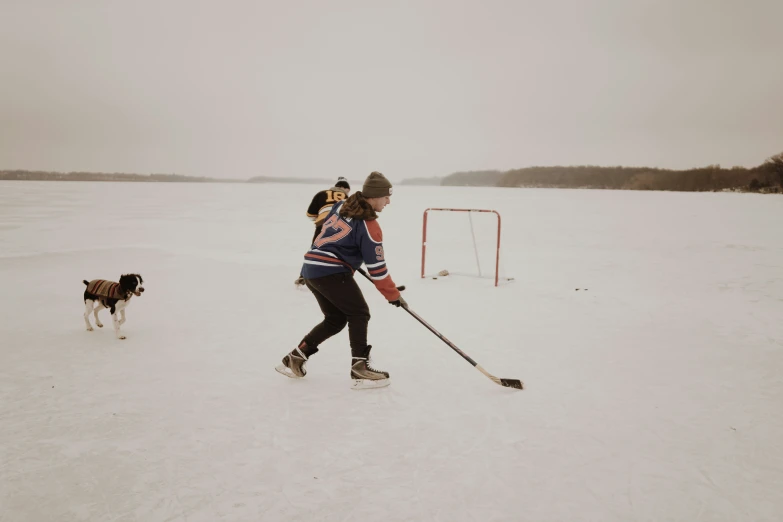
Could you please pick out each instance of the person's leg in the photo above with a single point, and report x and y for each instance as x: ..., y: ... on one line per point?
x: 325, y: 290
x: 342, y: 302
x: 345, y: 295
x: 334, y: 321
x: 340, y: 297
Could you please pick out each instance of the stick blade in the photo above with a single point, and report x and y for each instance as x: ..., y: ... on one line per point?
x: 508, y: 383
x: 512, y: 383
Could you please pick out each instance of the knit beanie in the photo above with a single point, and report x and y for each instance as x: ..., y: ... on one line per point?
x: 376, y: 186
x: 342, y: 183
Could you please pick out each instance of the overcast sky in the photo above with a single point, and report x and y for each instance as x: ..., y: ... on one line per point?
x: 318, y: 89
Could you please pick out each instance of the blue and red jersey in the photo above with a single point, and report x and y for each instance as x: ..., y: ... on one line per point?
x: 343, y: 245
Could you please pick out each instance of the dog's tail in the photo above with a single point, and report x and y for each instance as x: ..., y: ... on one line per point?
x: 85, y: 282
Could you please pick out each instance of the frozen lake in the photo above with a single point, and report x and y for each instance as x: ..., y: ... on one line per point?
x: 654, y: 391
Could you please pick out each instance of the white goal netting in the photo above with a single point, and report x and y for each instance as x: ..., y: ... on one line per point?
x: 463, y: 243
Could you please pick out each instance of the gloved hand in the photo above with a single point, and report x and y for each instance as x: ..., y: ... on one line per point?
x: 399, y: 302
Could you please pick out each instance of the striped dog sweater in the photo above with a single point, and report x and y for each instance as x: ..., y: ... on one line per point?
x: 103, y: 288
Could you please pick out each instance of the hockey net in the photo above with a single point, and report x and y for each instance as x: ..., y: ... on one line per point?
x: 462, y: 242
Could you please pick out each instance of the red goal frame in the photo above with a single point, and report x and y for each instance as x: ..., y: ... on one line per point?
x: 424, y: 235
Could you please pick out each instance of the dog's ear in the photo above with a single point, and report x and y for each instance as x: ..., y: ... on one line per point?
x: 128, y: 281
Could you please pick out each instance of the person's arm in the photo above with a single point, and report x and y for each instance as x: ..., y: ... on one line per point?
x: 315, y: 205
x: 371, y: 244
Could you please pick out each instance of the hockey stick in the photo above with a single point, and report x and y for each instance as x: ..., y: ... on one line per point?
x: 508, y: 383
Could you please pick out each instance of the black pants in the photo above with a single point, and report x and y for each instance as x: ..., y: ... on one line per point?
x: 342, y: 302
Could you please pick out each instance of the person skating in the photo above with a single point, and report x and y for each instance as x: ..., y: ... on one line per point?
x: 350, y: 237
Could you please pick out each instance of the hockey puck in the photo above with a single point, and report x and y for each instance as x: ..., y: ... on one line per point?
x: 401, y: 288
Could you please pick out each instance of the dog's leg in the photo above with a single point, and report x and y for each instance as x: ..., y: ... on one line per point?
x: 122, y: 314
x: 98, y: 308
x: 115, y: 310
x: 87, y: 311
x: 116, y: 323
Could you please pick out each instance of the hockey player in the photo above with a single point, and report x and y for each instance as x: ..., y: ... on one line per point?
x: 350, y: 236
x: 322, y: 204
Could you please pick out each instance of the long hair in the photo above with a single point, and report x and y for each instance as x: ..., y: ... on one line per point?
x: 357, y: 207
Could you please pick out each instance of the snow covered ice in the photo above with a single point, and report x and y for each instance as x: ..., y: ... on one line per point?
x: 654, y: 392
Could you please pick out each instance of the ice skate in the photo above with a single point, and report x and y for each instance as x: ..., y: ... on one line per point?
x: 293, y: 364
x: 365, y: 376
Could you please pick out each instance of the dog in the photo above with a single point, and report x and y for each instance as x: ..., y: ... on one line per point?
x: 102, y: 294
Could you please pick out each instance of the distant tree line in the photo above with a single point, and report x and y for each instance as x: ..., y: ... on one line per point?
x: 39, y: 175
x: 476, y: 178
x: 767, y: 177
